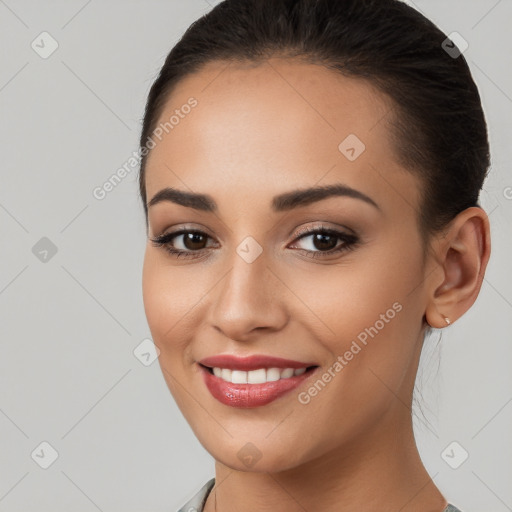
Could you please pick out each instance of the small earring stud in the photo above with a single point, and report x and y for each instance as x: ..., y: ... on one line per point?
x: 447, y: 320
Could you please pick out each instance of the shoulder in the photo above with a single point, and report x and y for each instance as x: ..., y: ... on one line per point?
x: 196, y: 503
x: 451, y: 508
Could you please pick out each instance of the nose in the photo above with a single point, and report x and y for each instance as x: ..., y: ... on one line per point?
x: 248, y: 301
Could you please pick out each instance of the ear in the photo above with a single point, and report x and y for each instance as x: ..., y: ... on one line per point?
x: 461, y: 254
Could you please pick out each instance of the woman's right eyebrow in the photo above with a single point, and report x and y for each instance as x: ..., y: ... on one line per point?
x: 202, y: 202
x: 283, y: 202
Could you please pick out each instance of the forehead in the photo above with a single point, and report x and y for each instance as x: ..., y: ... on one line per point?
x: 267, y: 128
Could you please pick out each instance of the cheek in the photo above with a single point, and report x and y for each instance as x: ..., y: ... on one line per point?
x: 170, y: 294
x: 369, y: 313
x: 366, y: 288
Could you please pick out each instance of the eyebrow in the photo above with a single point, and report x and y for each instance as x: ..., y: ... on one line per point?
x: 283, y: 202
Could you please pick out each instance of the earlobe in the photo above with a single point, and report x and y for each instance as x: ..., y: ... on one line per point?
x: 436, y: 319
x: 462, y: 258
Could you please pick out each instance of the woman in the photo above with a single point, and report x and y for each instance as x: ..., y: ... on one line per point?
x: 310, y: 177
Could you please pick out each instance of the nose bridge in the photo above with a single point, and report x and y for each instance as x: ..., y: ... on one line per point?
x: 246, y: 297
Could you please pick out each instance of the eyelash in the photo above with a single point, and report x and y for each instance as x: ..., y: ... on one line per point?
x: 350, y: 241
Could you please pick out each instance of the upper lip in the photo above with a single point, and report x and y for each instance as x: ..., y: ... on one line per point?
x: 253, y: 362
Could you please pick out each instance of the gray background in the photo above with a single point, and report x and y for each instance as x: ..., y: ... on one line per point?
x: 69, y: 324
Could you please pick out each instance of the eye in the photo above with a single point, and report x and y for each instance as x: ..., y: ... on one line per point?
x: 324, y: 242
x: 191, y: 243
x: 188, y: 241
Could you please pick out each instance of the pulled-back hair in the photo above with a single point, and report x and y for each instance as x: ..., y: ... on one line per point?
x: 437, y: 124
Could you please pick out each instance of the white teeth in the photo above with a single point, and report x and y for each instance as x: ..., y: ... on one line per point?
x: 226, y: 375
x: 273, y: 374
x: 238, y: 377
x: 259, y: 376
x: 286, y: 373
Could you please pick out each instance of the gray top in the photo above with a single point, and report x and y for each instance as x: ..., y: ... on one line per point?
x: 196, y: 504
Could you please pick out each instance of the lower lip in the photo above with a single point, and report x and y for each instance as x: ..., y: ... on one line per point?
x: 250, y: 395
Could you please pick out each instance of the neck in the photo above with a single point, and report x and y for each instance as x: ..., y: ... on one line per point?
x: 381, y: 470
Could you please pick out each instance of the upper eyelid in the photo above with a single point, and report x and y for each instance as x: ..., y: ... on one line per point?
x: 303, y: 233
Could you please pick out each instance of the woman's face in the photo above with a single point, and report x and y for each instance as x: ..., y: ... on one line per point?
x: 349, y: 301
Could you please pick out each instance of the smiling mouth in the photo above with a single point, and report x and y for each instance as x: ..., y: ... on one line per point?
x: 257, y: 376
x: 256, y: 387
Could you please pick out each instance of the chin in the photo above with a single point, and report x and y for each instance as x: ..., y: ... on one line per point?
x: 258, y: 456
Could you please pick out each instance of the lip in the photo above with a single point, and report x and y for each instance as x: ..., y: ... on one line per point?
x: 246, y: 396
x: 253, y: 362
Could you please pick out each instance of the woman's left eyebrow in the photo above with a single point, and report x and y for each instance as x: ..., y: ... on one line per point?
x: 303, y: 197
x: 283, y: 202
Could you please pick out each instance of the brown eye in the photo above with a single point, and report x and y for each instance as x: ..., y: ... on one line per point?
x: 194, y: 241
x: 183, y: 243
x: 325, y: 242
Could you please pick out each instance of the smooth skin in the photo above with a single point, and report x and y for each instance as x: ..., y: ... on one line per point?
x: 259, y: 131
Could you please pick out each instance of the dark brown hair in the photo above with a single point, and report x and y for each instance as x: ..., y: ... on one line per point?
x: 438, y: 126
